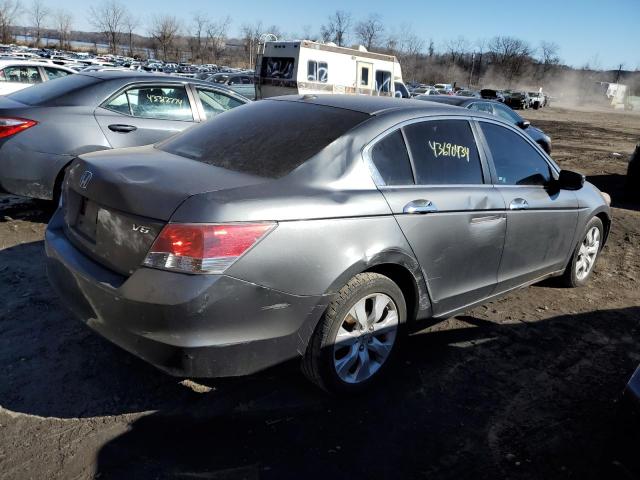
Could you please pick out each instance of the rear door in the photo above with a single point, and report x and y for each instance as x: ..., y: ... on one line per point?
x: 142, y: 114
x: 440, y: 193
x: 541, y: 219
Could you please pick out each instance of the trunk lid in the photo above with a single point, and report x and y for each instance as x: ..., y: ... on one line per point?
x: 116, y: 202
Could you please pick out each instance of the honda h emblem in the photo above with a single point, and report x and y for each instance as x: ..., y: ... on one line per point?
x: 85, y: 179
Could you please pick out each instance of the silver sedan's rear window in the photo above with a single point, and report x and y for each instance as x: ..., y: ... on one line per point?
x: 268, y: 138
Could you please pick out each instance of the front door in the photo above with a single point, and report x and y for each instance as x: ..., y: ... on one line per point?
x: 541, y: 219
x: 142, y: 115
x: 451, y: 215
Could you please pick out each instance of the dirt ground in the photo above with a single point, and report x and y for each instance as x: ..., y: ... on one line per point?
x: 525, y: 387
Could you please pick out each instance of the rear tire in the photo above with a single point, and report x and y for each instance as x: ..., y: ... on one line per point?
x: 584, y: 256
x: 357, y: 337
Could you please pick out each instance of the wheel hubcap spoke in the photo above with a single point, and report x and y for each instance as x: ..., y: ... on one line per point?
x: 588, y: 253
x: 365, y: 338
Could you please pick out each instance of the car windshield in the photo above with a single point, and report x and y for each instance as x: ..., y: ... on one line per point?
x: 244, y: 140
x: 45, y: 92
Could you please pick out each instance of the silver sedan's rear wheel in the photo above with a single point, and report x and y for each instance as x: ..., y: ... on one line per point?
x: 357, y: 337
x: 585, y: 255
x: 365, y: 338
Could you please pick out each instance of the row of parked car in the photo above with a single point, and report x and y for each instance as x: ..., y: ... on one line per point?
x: 515, y: 99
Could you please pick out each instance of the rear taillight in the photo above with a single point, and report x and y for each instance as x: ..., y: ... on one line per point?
x: 204, y: 248
x: 11, y: 126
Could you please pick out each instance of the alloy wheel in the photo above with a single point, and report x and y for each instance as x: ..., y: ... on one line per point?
x: 365, y: 338
x: 587, y: 253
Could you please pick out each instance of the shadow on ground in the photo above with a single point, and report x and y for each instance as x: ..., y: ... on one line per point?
x: 526, y: 400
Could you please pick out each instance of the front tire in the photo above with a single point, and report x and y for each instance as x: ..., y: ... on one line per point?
x: 585, y: 255
x: 357, y: 337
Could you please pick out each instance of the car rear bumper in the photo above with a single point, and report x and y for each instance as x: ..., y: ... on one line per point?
x: 186, y: 325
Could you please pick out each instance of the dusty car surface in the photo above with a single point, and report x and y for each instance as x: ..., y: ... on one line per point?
x: 233, y: 247
x: 43, y: 128
x: 500, y: 110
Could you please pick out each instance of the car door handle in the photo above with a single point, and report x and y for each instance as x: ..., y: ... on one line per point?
x: 117, y: 127
x: 420, y: 206
x: 518, y: 204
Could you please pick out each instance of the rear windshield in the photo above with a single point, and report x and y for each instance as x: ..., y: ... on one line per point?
x: 268, y: 138
x: 44, y: 93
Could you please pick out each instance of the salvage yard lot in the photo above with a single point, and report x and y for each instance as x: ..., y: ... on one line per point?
x: 524, y: 387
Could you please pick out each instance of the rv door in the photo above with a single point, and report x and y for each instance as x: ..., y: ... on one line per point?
x: 364, y: 78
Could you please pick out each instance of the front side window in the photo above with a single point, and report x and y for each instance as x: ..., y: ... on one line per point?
x: 516, y: 161
x: 215, y: 103
x: 29, y: 75
x: 53, y: 73
x: 156, y: 102
x: 444, y: 153
x: 391, y: 159
x: 383, y: 81
x: 506, y: 113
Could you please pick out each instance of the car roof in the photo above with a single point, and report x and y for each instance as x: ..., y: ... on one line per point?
x: 134, y: 75
x: 371, y: 105
x: 7, y: 62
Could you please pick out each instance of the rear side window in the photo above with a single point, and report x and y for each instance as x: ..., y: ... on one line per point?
x: 53, y: 73
x: 268, y: 138
x: 516, y: 161
x: 391, y: 159
x: 215, y: 103
x: 156, y: 102
x: 482, y: 107
x: 444, y: 153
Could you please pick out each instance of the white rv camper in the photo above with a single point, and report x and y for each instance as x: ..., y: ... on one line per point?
x: 306, y: 67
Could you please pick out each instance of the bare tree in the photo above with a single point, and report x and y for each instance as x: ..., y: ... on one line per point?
x: 63, y: 21
x: 369, y: 32
x: 337, y: 28
x: 38, y: 14
x: 108, y: 17
x: 9, y: 12
x: 197, y: 40
x: 164, y: 31
x: 217, y: 38
x: 549, y: 53
x: 509, y: 54
x: 130, y: 23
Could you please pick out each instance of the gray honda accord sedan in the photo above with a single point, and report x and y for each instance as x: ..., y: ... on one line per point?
x: 315, y: 227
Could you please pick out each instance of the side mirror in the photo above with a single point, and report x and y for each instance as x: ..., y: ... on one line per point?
x: 569, y: 180
x: 524, y: 124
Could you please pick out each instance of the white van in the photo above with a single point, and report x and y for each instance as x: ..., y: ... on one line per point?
x: 306, y: 67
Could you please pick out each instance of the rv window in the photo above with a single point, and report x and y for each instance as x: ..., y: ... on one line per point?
x: 364, y: 76
x: 317, y: 71
x: 323, y: 72
x: 312, y: 71
x: 383, y: 81
x: 277, y: 67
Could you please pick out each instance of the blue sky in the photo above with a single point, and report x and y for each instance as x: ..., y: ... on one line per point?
x: 602, y: 33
